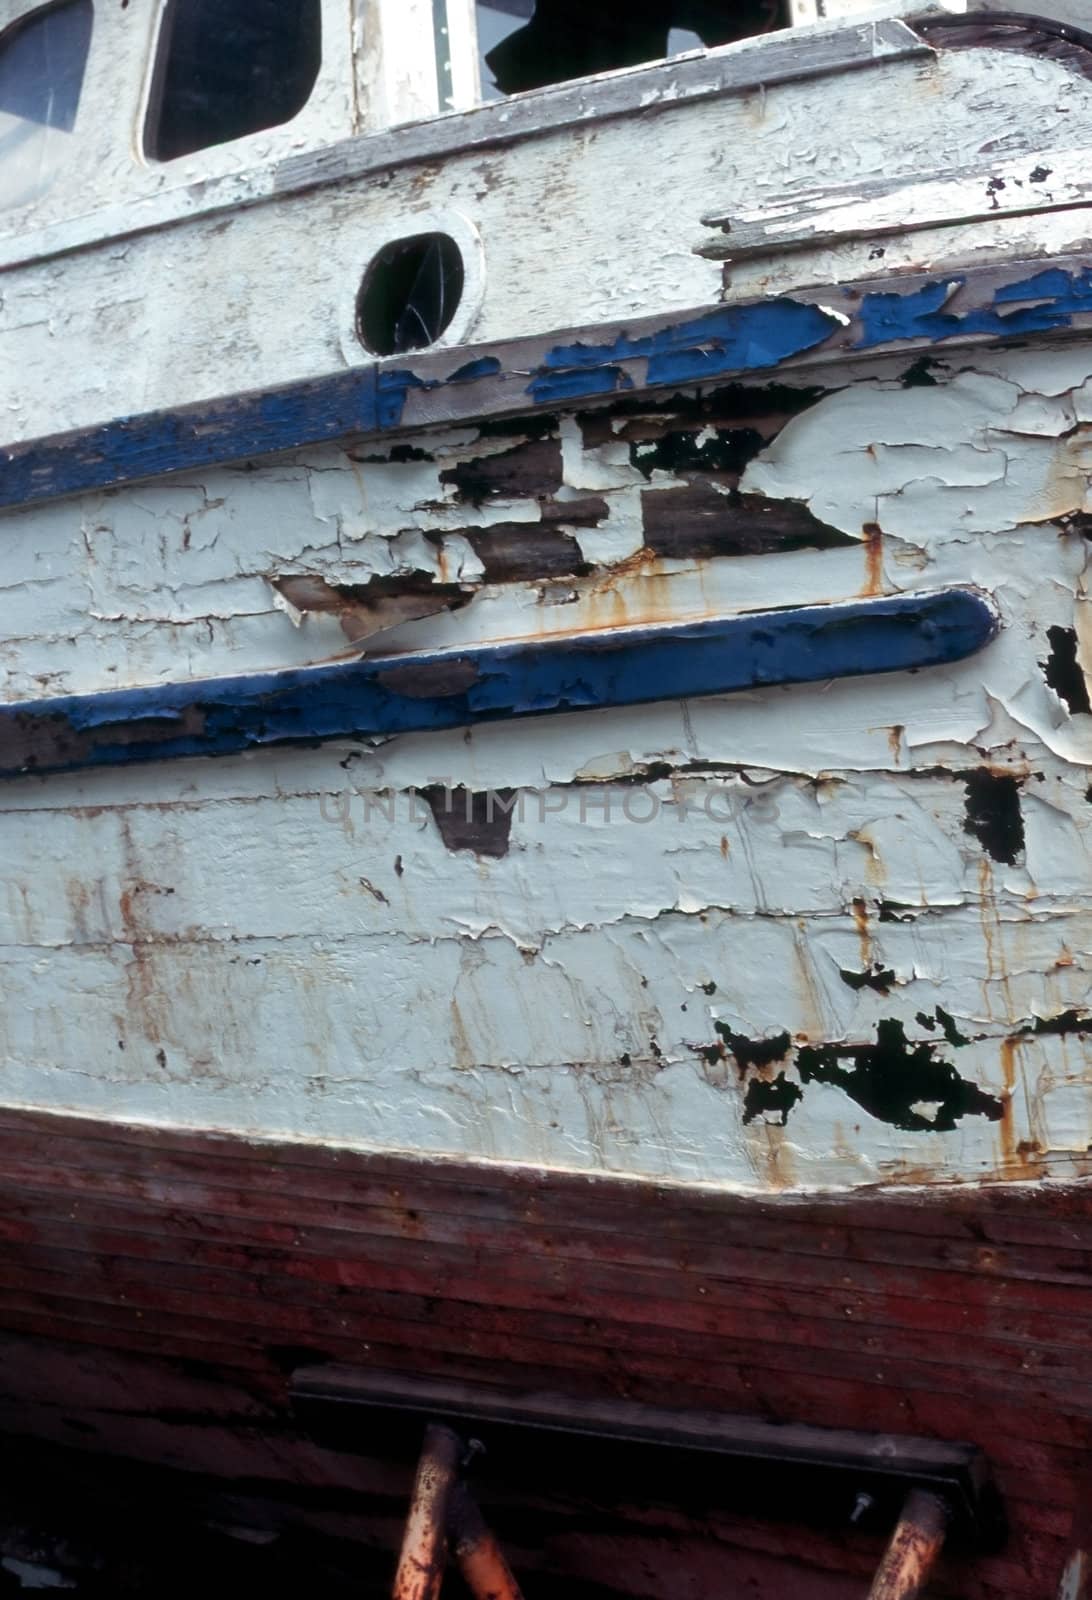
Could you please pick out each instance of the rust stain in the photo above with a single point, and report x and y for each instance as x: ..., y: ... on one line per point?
x: 895, y: 735
x: 1008, y: 1070
x: 864, y: 935
x: 1021, y: 1158
x: 873, y: 554
x: 145, y: 1004
x: 874, y: 868
x: 463, y: 1051
x: 809, y: 992
x: 777, y: 1157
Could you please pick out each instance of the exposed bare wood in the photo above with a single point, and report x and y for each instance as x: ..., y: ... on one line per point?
x: 1036, y: 183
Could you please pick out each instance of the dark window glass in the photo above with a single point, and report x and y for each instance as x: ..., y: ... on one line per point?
x: 231, y: 67
x: 410, y: 293
x: 42, y: 62
x: 527, y: 44
x: 496, y: 20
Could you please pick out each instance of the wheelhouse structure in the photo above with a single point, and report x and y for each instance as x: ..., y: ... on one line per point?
x: 544, y: 779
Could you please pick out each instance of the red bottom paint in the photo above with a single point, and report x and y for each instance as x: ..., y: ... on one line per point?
x: 157, y: 1289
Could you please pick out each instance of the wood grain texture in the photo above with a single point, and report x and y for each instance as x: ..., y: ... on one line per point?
x: 157, y: 1288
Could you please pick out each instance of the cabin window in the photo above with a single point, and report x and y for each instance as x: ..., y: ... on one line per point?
x: 227, y: 68
x: 528, y: 44
x: 42, y: 63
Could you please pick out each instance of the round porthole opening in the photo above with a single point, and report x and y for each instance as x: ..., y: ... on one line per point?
x: 410, y: 293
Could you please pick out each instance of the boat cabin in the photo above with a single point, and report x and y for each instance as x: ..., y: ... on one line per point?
x: 105, y: 105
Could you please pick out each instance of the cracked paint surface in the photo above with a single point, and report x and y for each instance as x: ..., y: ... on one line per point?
x: 807, y: 937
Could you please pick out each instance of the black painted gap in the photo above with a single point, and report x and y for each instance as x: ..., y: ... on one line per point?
x: 874, y: 977
x: 740, y: 413
x: 1063, y: 670
x: 949, y: 1029
x: 754, y: 1052
x: 702, y: 449
x: 889, y: 1078
x: 993, y: 814
x: 1065, y: 1022
x: 779, y: 1097
x: 919, y: 375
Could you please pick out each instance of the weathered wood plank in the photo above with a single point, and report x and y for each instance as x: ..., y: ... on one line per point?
x: 783, y: 57
x: 931, y: 310
x: 1051, y: 181
x: 399, y: 694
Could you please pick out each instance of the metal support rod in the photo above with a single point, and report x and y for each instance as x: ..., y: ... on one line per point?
x: 478, y: 1555
x: 424, y: 1545
x: 1076, y: 1581
x: 915, y: 1545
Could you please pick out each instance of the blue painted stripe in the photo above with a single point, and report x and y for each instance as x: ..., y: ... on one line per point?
x: 401, y: 694
x: 372, y: 400
x: 755, y: 337
x: 342, y: 406
x: 1043, y: 303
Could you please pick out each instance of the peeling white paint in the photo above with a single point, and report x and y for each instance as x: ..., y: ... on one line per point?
x: 283, y: 944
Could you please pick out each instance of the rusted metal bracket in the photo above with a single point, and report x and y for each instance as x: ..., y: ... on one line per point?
x: 915, y: 1545
x: 832, y: 1476
x: 444, y: 1520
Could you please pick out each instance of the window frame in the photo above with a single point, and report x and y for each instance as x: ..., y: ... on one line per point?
x: 153, y: 99
x: 465, y: 44
x: 322, y: 117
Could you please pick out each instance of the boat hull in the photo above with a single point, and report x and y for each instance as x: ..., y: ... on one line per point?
x: 157, y: 1290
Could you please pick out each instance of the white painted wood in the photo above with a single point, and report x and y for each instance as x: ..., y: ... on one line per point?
x: 110, y: 178
x: 397, y: 73
x: 803, y: 13
x: 284, y: 945
x: 465, y: 64
x: 1037, y: 182
x: 244, y: 300
x: 137, y: 199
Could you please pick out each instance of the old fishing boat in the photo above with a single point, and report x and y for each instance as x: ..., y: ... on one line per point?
x: 545, y: 789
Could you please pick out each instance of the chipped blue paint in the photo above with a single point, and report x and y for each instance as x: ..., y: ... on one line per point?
x: 131, y: 448
x: 747, y: 338
x: 729, y: 340
x: 1040, y: 304
x: 400, y: 694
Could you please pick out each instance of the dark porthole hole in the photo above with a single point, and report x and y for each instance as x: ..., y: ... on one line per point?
x: 410, y: 293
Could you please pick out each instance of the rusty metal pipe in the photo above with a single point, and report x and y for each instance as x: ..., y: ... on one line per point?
x: 915, y: 1545
x: 424, y: 1544
x: 478, y: 1555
